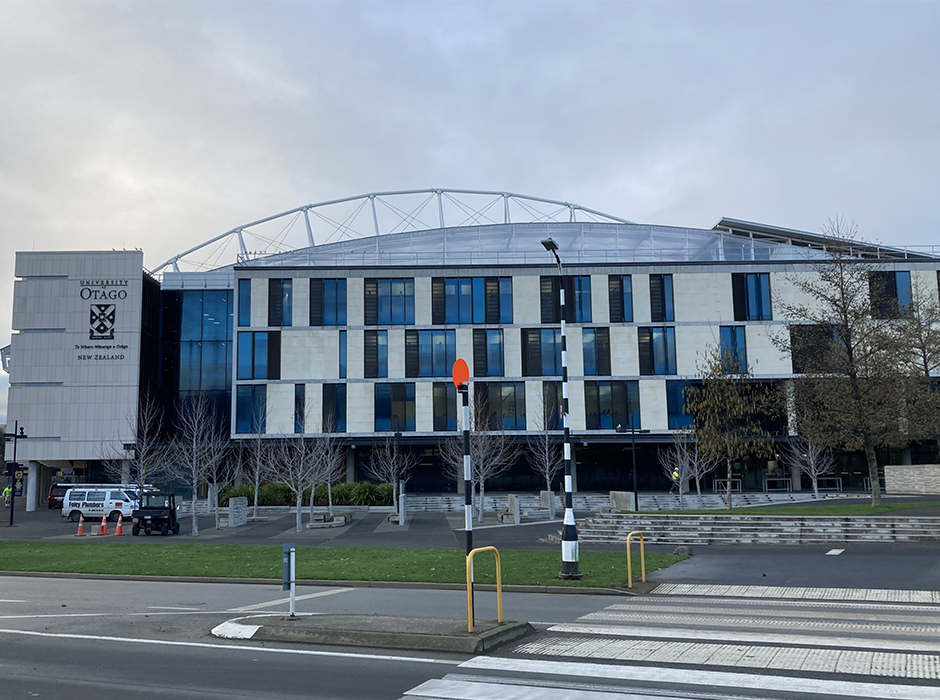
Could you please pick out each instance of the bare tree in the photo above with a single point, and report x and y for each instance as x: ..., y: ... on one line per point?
x: 851, y: 391
x: 219, y: 473
x: 389, y: 464
x: 296, y: 467
x: 492, y: 451
x: 546, y: 456
x: 150, y: 450
x: 810, y: 458
x: 198, y: 447
x: 329, y: 456
x: 258, y: 464
x: 685, y: 457
x: 728, y: 412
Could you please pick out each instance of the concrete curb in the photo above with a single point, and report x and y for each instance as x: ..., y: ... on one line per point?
x: 380, y: 631
x: 421, y: 585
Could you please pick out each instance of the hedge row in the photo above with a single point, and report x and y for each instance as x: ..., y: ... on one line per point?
x: 361, y: 493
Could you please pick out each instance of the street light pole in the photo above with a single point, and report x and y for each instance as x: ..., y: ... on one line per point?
x: 569, y: 537
x: 18, y: 433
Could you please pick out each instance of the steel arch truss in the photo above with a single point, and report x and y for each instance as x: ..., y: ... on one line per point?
x: 375, y: 214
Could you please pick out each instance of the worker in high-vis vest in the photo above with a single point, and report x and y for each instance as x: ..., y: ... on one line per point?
x: 7, y: 495
x: 675, y: 481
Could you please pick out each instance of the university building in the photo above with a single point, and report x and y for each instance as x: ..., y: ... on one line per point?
x: 358, y: 336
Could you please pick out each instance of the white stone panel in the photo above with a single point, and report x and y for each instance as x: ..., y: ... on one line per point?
x: 763, y: 357
x: 360, y: 407
x: 576, y: 405
x: 575, y: 344
x: 693, y: 344
x: 423, y: 301
x: 355, y: 347
x: 533, y: 405
x: 396, y: 352
x: 309, y: 354
x: 526, y: 308
x: 300, y: 291
x: 424, y: 407
x: 641, y: 298
x: 653, y: 411
x: 624, y: 358
x: 600, y: 299
x: 313, y: 408
x: 512, y: 352
x: 703, y: 296
x: 464, y: 340
x: 259, y: 301
x: 280, y: 420
x: 355, y: 289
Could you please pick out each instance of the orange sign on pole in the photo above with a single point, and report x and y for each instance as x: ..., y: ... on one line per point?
x: 461, y: 373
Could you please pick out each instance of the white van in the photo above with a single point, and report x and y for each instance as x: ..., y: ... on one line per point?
x: 96, y: 502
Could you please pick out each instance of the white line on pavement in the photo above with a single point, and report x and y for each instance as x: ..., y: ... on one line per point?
x: 237, y: 647
x: 799, y: 686
x: 283, y: 601
x: 752, y: 637
x: 12, y: 601
x: 834, y: 552
x: 167, y: 607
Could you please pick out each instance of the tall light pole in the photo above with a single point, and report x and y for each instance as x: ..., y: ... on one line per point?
x: 569, y: 536
x: 18, y: 433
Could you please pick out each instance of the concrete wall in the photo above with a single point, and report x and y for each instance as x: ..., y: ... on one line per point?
x: 921, y: 479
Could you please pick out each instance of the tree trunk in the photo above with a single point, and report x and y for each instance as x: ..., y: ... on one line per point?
x: 480, y: 518
x: 873, y: 473
x: 395, y: 496
x: 195, y: 517
x: 728, y: 484
x: 218, y: 516
x: 329, y: 498
x: 300, y: 509
x: 551, y: 498
x: 679, y: 491
x: 256, y: 498
x: 698, y: 486
x: 816, y: 487
x: 313, y: 499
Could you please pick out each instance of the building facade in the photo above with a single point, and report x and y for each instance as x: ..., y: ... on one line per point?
x: 359, y: 338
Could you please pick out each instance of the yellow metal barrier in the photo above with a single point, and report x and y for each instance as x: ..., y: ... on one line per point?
x: 499, y: 585
x: 630, y: 563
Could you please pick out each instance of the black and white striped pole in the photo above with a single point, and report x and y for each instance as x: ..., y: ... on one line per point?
x: 462, y: 382
x: 569, y: 535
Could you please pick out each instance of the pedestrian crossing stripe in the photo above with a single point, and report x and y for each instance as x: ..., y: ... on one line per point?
x: 790, y: 592
x: 712, y: 679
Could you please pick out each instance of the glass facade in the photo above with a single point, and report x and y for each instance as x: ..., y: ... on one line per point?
x: 503, y: 403
x: 300, y: 408
x: 675, y: 404
x: 375, y: 357
x: 244, y: 302
x: 751, y: 296
x: 334, y: 408
x: 394, y: 407
x: 456, y: 300
x: 205, y: 354
x: 259, y: 354
x: 389, y: 301
x: 280, y: 302
x: 445, y: 406
x: 251, y: 408
x: 541, y: 352
x: 612, y: 405
x: 657, y: 350
x: 342, y: 354
x: 662, y: 307
x: 733, y: 349
x: 620, y: 298
x: 327, y: 302
x: 430, y: 353
x: 596, y: 346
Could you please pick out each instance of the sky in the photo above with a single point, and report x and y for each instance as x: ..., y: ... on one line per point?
x: 157, y: 125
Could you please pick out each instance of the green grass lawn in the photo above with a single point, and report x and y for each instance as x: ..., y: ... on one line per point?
x: 600, y: 569
x: 864, y: 508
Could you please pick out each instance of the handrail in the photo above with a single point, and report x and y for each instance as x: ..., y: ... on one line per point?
x: 499, y: 585
x: 630, y: 563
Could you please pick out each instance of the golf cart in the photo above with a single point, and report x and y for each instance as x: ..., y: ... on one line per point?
x: 156, y: 511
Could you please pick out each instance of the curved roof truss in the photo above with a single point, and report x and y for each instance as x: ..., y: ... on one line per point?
x: 375, y: 214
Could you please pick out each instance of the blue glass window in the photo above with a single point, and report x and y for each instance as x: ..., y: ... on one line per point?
x: 733, y: 349
x: 657, y: 350
x: 394, y: 407
x: 334, y: 408
x: 430, y: 353
x: 191, y: 322
x: 494, y: 353
x: 589, y: 342
x: 300, y: 408
x: 342, y: 354
x: 662, y: 307
x: 551, y: 351
x: 244, y: 302
x: 245, y: 354
x: 675, y: 404
x: 334, y: 302
x: 751, y: 296
x: 389, y: 301
x: 280, y: 302
x: 445, y: 406
x: 261, y: 356
x: 256, y: 357
x: 471, y: 300
x: 250, y: 409
x: 190, y: 366
x: 903, y: 281
x: 215, y: 366
x: 503, y: 403
x: 582, y: 299
x: 612, y: 405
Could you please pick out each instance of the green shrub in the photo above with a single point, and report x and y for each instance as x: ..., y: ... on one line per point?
x: 276, y: 495
x: 365, y: 493
x: 246, y: 490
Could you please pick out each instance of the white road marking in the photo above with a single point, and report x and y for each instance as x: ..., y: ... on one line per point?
x: 167, y: 607
x: 235, y: 630
x: 750, y: 637
x: 658, y: 674
x: 790, y: 592
x: 284, y: 601
x: 487, y: 690
x: 834, y: 552
x: 12, y: 601
x: 237, y: 647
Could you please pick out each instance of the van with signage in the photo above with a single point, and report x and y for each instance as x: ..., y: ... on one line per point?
x: 97, y: 502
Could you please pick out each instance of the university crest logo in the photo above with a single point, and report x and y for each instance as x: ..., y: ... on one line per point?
x: 102, y: 322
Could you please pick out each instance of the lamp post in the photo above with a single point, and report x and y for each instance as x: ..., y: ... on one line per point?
x: 633, y: 432
x: 569, y: 537
x: 18, y: 433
